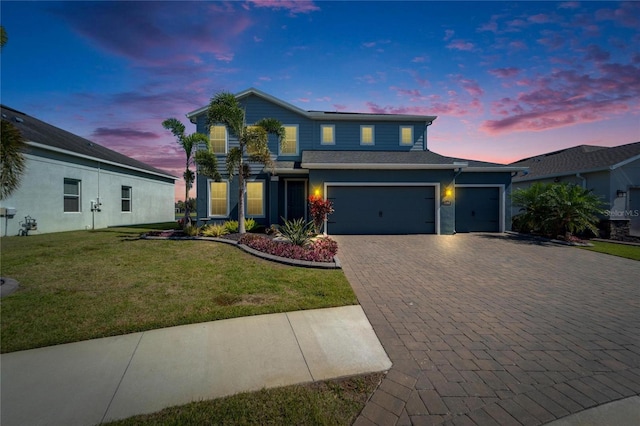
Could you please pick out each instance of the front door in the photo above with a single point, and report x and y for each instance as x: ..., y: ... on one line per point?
x: 296, y: 202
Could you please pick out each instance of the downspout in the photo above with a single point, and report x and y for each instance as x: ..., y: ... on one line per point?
x: 424, y: 137
x: 453, y: 185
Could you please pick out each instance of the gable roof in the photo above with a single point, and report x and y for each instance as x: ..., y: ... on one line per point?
x: 394, y: 160
x: 321, y: 115
x: 578, y: 159
x: 43, y: 135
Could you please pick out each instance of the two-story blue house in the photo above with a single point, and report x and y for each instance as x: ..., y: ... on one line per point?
x: 376, y: 169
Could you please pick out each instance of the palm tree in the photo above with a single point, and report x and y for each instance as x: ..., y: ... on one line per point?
x: 13, y: 163
x: 253, y: 140
x: 189, y: 144
x: 557, y: 209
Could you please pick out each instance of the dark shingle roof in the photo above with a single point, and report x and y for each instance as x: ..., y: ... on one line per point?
x: 582, y: 158
x: 34, y: 130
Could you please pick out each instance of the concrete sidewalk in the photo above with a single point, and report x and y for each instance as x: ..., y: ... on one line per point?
x: 94, y: 381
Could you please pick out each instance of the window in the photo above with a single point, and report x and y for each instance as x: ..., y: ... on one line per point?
x: 290, y: 145
x: 406, y: 135
x: 218, y: 139
x: 327, y: 134
x: 366, y: 135
x: 255, y: 198
x: 71, y: 195
x: 126, y: 198
x: 219, y: 199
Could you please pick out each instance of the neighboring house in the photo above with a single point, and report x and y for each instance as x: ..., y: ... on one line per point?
x: 71, y: 183
x: 612, y: 173
x: 374, y: 167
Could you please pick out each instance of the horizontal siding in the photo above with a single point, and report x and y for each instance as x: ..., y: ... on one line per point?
x: 347, y: 134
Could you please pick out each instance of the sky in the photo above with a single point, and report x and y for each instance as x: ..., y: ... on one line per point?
x: 507, y: 80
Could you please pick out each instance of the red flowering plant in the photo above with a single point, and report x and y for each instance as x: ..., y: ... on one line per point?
x: 319, y: 210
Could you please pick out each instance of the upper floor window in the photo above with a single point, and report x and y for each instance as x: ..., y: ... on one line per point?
x: 255, y: 198
x: 290, y: 144
x: 71, y: 195
x: 219, y: 199
x: 367, y: 135
x: 406, y: 135
x: 327, y: 134
x: 126, y: 198
x: 218, y: 139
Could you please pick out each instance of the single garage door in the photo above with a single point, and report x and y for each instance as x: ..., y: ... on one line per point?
x: 477, y: 209
x: 382, y: 210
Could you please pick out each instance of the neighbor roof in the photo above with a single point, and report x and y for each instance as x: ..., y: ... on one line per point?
x: 44, y: 135
x: 579, y: 159
x: 323, y: 115
x: 394, y: 160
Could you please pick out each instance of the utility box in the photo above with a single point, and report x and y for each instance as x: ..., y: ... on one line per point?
x: 9, y: 212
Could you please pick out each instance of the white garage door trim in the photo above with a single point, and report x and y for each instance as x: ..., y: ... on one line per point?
x: 501, y: 198
x: 436, y: 185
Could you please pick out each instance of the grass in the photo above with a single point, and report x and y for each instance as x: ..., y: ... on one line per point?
x: 89, y: 284
x: 621, y: 250
x: 333, y: 402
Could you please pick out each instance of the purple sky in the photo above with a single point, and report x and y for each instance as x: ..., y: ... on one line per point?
x: 507, y: 80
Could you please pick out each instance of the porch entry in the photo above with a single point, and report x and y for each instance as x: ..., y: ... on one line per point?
x: 295, y: 198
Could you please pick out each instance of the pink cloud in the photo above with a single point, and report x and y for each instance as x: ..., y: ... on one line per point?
x: 569, y: 5
x: 596, y: 53
x: 628, y: 14
x: 540, y: 18
x: 566, y: 97
x: 470, y: 86
x: 461, y: 45
x: 448, y: 34
x: 293, y: 6
x: 505, y: 72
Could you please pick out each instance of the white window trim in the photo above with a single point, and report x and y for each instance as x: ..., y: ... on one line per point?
x: 226, y: 215
x: 297, y: 142
x: 373, y: 135
x: 226, y: 140
x: 246, y: 199
x: 332, y: 126
x: 130, y: 199
x: 410, y: 143
x: 79, y: 196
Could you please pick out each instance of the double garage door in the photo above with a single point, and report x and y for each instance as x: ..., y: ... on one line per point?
x: 382, y: 209
x: 403, y: 209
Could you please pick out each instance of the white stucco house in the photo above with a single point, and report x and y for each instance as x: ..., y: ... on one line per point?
x: 72, y: 183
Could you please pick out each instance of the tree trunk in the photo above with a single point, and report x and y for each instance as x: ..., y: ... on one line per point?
x: 241, y: 190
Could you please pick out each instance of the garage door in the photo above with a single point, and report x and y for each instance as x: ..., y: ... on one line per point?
x: 382, y: 210
x: 477, y: 209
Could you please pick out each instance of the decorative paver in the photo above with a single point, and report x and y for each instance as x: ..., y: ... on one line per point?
x: 494, y: 329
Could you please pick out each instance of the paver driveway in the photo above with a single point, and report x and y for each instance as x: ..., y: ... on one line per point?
x: 495, y: 329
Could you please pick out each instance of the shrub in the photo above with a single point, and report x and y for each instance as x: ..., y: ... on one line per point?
x: 191, y: 230
x: 555, y: 209
x: 250, y: 225
x: 319, y: 210
x: 231, y: 226
x: 214, y: 230
x: 297, y: 231
x: 321, y: 250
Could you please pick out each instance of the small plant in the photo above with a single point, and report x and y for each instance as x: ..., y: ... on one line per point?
x: 191, y: 230
x: 250, y: 225
x: 231, y: 226
x: 214, y: 230
x: 319, y: 210
x: 297, y: 231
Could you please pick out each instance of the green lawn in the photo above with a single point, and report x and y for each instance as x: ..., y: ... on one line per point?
x: 333, y: 402
x: 622, y: 250
x: 89, y: 284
